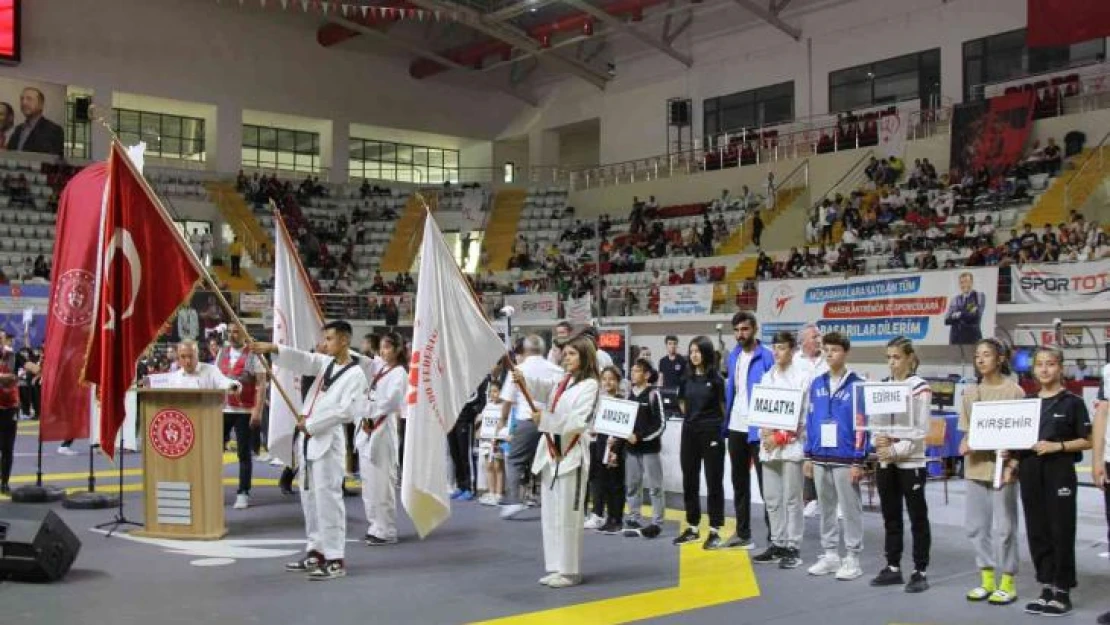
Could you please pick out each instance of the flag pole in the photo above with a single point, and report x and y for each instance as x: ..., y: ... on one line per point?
x: 507, y: 358
x: 203, y: 271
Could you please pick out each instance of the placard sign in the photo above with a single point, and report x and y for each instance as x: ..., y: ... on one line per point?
x: 885, y: 398
x: 616, y: 417
x: 775, y: 408
x: 1010, y: 424
x: 491, y: 419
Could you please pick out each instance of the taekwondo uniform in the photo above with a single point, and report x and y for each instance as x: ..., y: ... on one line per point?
x: 337, y: 396
x: 377, y: 453
x: 562, y: 461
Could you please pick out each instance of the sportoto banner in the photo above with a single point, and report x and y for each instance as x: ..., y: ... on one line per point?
x: 934, y: 308
x: 534, y: 306
x: 1062, y: 285
x: 685, y: 299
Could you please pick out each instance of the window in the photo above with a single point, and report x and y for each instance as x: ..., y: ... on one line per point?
x: 510, y: 172
x: 166, y: 136
x: 1004, y: 56
x: 734, y: 112
x: 281, y: 148
x: 380, y: 160
x: 910, y: 77
x: 76, y: 132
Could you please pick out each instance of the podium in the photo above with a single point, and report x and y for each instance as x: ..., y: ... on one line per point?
x: 183, y: 493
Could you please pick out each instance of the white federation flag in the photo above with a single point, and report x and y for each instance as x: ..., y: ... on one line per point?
x: 453, y: 348
x: 892, y: 132
x: 297, y: 323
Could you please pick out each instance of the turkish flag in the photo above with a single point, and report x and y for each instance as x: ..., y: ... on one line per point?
x: 65, y: 401
x: 147, y: 272
x: 1063, y: 22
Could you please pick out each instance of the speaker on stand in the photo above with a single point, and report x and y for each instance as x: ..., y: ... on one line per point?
x: 680, y: 114
x: 81, y: 108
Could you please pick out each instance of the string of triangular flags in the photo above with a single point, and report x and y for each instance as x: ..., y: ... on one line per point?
x: 352, y: 10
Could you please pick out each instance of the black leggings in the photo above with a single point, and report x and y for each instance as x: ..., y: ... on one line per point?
x: 895, y: 486
x: 458, y: 443
x: 241, y: 423
x: 9, y: 417
x: 700, y: 446
x: 606, y: 484
x: 1048, y: 497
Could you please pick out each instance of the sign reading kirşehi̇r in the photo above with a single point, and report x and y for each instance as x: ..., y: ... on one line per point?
x: 933, y: 308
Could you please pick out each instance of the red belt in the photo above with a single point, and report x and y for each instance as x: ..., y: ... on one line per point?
x: 554, y: 450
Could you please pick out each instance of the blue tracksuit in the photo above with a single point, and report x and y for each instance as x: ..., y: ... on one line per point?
x: 762, y: 361
x: 834, y: 406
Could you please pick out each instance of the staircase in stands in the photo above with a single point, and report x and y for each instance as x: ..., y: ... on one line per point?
x: 501, y: 228
x: 239, y: 216
x: 742, y: 236
x: 1075, y: 184
x: 408, y: 233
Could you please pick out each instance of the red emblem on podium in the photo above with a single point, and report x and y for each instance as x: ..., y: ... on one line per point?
x: 172, y: 433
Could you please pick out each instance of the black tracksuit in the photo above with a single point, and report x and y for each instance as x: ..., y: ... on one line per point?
x: 1048, y: 490
x: 460, y: 438
x: 702, y: 441
x: 607, y: 482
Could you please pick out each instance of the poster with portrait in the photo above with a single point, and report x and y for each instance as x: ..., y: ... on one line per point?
x: 42, y: 102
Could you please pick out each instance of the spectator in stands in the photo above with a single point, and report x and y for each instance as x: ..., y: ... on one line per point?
x: 1051, y: 158
x: 41, y: 269
x: 235, y: 253
x: 7, y: 121
x: 1029, y: 238
x: 689, y: 276
x: 36, y: 133
x: 770, y: 190
x: 813, y: 231
x: 757, y: 222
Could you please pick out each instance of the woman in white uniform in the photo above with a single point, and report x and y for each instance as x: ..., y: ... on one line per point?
x: 376, y: 442
x: 562, y: 460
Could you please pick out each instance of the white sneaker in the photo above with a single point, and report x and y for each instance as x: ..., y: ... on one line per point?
x: 67, y: 451
x: 564, y: 581
x: 811, y: 509
x: 241, y: 502
x: 276, y: 462
x: 593, y: 522
x: 546, y: 579
x: 264, y: 457
x: 826, y: 564
x: 849, y: 569
x: 511, y: 510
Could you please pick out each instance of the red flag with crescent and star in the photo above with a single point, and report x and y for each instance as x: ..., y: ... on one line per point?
x: 146, y: 273
x: 65, y: 401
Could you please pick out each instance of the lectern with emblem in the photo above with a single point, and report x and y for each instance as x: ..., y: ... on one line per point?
x: 183, y: 494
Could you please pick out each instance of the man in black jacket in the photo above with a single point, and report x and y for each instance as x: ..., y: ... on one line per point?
x: 459, y: 441
x: 36, y: 133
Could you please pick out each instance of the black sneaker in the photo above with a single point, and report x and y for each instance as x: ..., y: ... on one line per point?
x: 888, y: 577
x: 918, y: 583
x: 1037, y: 606
x: 309, y: 563
x: 1103, y: 619
x: 374, y: 541
x: 5, y: 489
x: 790, y: 559
x: 332, y: 570
x: 632, y: 529
x: 611, y: 527
x: 688, y: 535
x: 651, y: 531
x: 712, y: 542
x: 739, y: 543
x: 1058, y: 606
x: 772, y: 555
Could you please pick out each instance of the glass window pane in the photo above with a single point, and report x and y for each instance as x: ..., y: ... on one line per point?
x: 267, y: 138
x: 128, y: 121
x: 435, y: 158
x: 307, y: 143
x: 171, y: 147
x: 250, y: 135
x: 388, y: 152
x: 450, y: 158
x: 388, y: 171
x: 896, y: 88
x: 896, y: 65
x: 404, y: 154
x: 373, y: 150
x: 286, y: 140
x: 355, y: 150
x: 171, y: 126
x: 151, y: 124
x: 419, y: 156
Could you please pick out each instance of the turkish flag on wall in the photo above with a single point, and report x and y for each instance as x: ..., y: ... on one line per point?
x: 65, y: 401
x: 1064, y: 22
x: 146, y: 274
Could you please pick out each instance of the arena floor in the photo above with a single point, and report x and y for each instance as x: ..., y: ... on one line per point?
x: 479, y: 569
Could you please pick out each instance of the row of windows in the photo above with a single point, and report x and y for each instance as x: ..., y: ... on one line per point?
x: 281, y: 148
x: 378, y: 160
x: 765, y: 106
x: 909, y: 77
x: 1005, y: 56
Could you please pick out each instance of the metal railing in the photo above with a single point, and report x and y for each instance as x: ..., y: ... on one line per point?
x: 1095, y: 156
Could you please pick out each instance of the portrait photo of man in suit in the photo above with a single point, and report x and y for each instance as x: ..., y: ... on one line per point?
x: 36, y: 133
x: 965, y: 311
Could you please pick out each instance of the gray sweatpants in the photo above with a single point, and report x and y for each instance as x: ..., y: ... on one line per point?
x: 991, y: 518
x: 782, y: 494
x: 522, y: 450
x: 644, y: 471
x: 836, y: 490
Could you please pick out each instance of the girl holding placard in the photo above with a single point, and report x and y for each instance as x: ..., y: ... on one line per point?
x: 782, y: 454
x: 996, y: 548
x: 607, y: 469
x: 702, y: 396
x: 643, y: 464
x: 1048, y: 484
x: 901, y: 475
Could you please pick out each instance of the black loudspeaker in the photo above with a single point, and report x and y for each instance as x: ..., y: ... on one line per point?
x: 679, y: 113
x: 35, y: 545
x: 81, y: 108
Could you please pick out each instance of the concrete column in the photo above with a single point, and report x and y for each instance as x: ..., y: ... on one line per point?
x: 225, y: 148
x: 340, y: 151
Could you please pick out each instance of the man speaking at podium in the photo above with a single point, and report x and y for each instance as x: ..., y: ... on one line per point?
x: 191, y: 373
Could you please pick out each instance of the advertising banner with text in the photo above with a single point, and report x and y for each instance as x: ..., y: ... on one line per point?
x: 685, y: 299
x: 1063, y: 284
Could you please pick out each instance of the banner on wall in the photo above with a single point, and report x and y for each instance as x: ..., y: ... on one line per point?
x: 990, y: 134
x: 534, y: 306
x: 1062, y: 284
x: 255, y: 303
x: 892, y: 132
x: 935, y: 308
x: 685, y: 299
x: 578, y: 311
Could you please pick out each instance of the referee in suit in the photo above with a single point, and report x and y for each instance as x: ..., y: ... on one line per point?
x: 36, y: 133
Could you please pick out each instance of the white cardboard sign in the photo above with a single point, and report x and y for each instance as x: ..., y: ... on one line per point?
x: 616, y: 417
x: 1010, y: 424
x: 775, y: 408
x: 880, y: 398
x: 491, y: 419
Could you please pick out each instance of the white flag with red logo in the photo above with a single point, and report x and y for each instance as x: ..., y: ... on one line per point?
x: 892, y: 132
x: 297, y: 323
x: 453, y: 348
